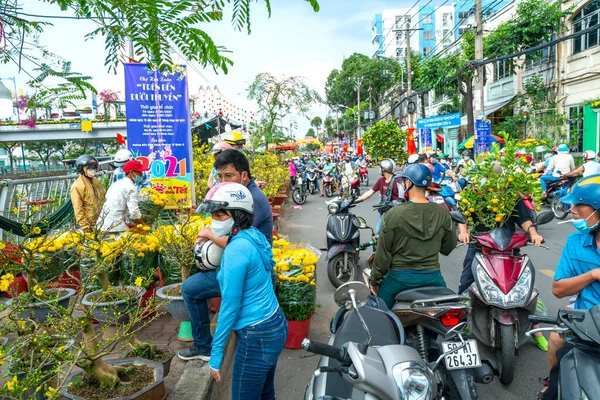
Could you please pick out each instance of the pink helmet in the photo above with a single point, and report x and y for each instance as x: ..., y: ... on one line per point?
x: 555, y: 149
x: 219, y: 147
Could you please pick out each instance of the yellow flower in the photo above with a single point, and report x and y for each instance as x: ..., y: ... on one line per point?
x: 15, y: 210
x: 36, y: 230
x: 50, y: 393
x: 10, y: 385
x: 140, y: 254
x: 8, y: 277
x: 38, y: 290
x: 146, y: 228
x: 139, y: 281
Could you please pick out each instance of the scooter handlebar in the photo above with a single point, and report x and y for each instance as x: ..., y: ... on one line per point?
x: 544, y: 320
x: 337, y: 353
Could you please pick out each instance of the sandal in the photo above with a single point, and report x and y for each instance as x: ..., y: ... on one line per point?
x: 546, y: 383
x: 541, y: 342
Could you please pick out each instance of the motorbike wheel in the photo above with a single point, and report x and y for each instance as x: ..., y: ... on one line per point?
x: 507, y: 341
x: 299, y: 198
x: 328, y: 190
x: 338, y: 273
x: 558, y: 208
x: 364, y: 180
x: 451, y: 390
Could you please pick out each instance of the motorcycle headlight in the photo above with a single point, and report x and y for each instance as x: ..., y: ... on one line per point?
x: 333, y: 208
x: 413, y: 380
x: 518, y: 295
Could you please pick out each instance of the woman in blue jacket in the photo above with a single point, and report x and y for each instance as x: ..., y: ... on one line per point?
x: 249, y: 306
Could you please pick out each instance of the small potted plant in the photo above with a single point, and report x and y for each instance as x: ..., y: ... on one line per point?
x: 151, y: 352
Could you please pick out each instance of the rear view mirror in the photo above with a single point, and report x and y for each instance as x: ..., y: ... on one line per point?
x: 360, y: 223
x: 458, y: 217
x: 544, y: 218
x: 350, y: 292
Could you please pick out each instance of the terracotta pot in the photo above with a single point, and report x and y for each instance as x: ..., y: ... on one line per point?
x: 275, y: 209
x: 146, y: 298
x: 155, y: 391
x: 68, y: 279
x: 18, y: 286
x: 279, y: 199
x: 297, y: 332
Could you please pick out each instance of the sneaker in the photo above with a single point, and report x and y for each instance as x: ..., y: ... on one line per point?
x: 193, y: 354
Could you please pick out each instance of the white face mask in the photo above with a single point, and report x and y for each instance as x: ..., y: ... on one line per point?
x: 222, y: 228
x: 90, y: 173
x: 444, y: 161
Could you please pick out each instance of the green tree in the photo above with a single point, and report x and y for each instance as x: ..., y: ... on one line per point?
x: 43, y: 150
x: 385, y: 140
x: 9, y: 147
x: 311, y: 132
x: 316, y: 122
x: 277, y: 98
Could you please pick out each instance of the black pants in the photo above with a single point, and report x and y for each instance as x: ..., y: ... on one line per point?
x: 552, y: 392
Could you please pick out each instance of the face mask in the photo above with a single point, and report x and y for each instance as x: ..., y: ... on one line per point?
x: 222, y: 228
x: 466, y: 158
x: 90, y: 173
x: 582, y: 226
x: 434, y: 161
x: 137, y: 180
x: 444, y: 162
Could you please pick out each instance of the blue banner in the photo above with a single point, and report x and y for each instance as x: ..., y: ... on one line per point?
x: 483, y: 131
x: 158, y: 131
x: 426, y: 140
x: 440, y: 121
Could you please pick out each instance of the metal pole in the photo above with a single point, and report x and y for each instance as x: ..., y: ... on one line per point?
x: 479, y: 57
x: 358, y: 82
x: 408, y: 68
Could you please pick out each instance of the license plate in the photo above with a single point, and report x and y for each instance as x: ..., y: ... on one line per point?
x: 467, y: 357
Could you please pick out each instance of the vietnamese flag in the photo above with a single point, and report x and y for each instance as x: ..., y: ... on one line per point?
x: 410, y: 141
x: 120, y: 139
x: 359, y: 147
x: 345, y: 147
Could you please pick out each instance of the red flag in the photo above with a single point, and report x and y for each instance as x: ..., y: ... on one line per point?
x: 131, y: 60
x: 359, y: 147
x: 345, y: 147
x: 120, y: 139
x: 410, y: 141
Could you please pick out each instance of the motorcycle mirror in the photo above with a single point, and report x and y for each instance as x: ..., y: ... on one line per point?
x: 544, y: 218
x: 458, y: 217
x: 344, y: 295
x: 360, y: 223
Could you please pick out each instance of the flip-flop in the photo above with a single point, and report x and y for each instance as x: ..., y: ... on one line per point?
x: 542, y: 343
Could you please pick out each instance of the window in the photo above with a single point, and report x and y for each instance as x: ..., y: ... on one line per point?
x: 584, y: 19
x: 445, y: 32
x: 461, y: 31
x: 502, y: 69
x: 446, y: 18
x: 428, y: 19
x: 464, y: 15
x: 399, y: 37
x: 427, y: 35
x: 576, y: 125
x: 427, y: 51
x: 400, y: 52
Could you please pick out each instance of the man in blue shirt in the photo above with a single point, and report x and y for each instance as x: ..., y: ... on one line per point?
x: 439, y: 170
x: 578, y: 271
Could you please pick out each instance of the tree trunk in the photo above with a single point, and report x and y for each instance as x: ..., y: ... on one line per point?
x: 101, y: 372
x: 185, y: 272
x: 104, y: 281
x: 468, y: 95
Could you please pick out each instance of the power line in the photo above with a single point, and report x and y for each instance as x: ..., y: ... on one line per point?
x: 422, y: 19
x: 394, y: 24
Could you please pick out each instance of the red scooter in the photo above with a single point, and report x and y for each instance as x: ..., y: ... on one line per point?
x: 503, y: 295
x: 364, y: 176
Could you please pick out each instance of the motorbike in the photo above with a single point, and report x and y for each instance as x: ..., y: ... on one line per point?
x: 503, y: 295
x: 364, y: 175
x: 299, y: 193
x: 428, y: 314
x: 436, y: 196
x: 329, y: 183
x: 579, y: 375
x: 343, y: 238
x: 557, y: 189
x: 312, y: 184
x: 367, y: 358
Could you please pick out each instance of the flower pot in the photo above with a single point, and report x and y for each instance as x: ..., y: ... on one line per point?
x: 215, y: 304
x: 112, y: 312
x: 275, y: 209
x: 175, y: 306
x: 167, y: 365
x: 279, y: 199
x: 18, y: 286
x: 155, y: 391
x: 40, y: 311
x: 297, y: 332
x: 68, y: 279
x: 147, y: 298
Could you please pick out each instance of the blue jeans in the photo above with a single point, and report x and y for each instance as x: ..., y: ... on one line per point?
x: 544, y: 179
x: 379, y: 224
x: 258, y: 348
x: 196, y: 290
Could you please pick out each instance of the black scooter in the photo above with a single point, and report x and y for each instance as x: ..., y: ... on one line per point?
x: 579, y: 375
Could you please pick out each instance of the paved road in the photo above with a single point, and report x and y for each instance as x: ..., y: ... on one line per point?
x: 308, y: 225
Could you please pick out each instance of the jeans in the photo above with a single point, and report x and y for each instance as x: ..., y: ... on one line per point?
x: 255, y: 362
x: 544, y: 179
x: 466, y: 277
x: 196, y: 290
x: 398, y: 281
x: 379, y: 224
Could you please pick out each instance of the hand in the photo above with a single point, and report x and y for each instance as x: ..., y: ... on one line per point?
x: 374, y: 289
x: 216, y: 375
x: 464, y: 238
x: 455, y: 178
x: 536, y: 238
x: 205, y: 233
x: 261, y: 184
x: 596, y: 274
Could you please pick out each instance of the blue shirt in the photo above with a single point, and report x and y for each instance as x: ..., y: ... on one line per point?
x: 247, y: 292
x: 579, y: 256
x: 438, y: 172
x: 263, y: 216
x: 119, y: 174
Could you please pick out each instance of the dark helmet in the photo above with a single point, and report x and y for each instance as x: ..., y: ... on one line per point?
x: 466, y: 153
x: 85, y: 160
x: 387, y: 165
x: 418, y: 174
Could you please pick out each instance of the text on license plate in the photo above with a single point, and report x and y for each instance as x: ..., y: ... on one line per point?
x: 467, y: 357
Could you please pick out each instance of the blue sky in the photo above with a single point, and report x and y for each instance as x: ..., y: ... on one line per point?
x: 294, y: 41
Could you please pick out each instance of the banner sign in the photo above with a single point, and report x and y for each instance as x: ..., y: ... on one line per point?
x: 158, y: 131
x: 440, y: 121
x: 426, y: 140
x: 483, y: 134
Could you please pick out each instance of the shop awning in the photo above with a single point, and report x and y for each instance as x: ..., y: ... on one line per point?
x: 490, y: 109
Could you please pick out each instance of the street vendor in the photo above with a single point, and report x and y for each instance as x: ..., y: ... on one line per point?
x: 119, y: 160
x: 87, y: 193
x: 122, y: 199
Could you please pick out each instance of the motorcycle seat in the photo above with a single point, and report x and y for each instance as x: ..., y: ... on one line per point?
x: 383, y: 331
x: 423, y: 293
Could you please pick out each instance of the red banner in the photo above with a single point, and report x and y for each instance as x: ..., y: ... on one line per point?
x: 410, y: 141
x: 359, y: 147
x: 345, y: 147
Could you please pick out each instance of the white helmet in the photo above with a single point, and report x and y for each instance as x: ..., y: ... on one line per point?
x: 589, y: 155
x: 122, y: 156
x: 227, y: 196
x: 413, y: 158
x: 208, y: 255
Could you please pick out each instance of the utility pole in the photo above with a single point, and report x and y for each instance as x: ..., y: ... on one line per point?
x: 479, y: 57
x: 408, y: 71
x: 358, y: 81
x: 370, y: 106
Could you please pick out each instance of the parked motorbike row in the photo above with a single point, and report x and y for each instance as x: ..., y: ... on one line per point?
x: 333, y: 182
